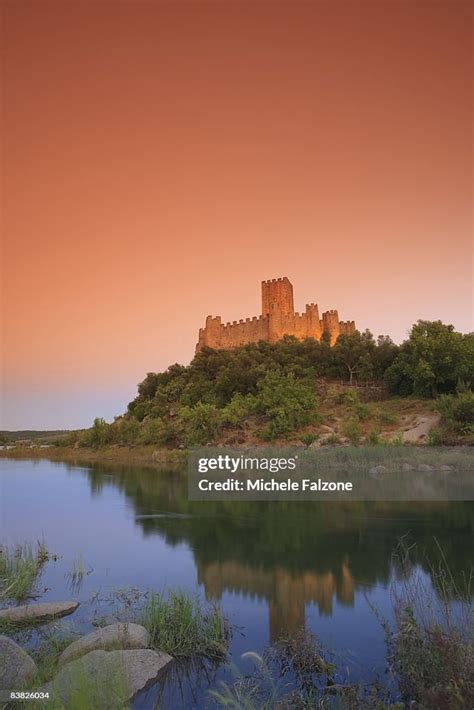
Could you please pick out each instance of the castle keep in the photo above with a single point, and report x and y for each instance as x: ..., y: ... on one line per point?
x: 278, y: 318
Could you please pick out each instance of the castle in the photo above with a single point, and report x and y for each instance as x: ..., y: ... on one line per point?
x: 278, y: 318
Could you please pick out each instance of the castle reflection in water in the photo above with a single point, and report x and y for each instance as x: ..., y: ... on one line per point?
x: 287, y: 594
x: 290, y: 555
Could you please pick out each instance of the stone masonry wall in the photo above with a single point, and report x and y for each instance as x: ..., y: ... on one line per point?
x: 277, y: 320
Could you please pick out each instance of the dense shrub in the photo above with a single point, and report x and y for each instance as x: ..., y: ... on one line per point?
x: 181, y: 626
x: 239, y: 408
x: 217, y: 376
x: 352, y: 430
x: 457, y: 411
x: 431, y: 361
x: 98, y: 435
x: 288, y: 403
x: 156, y: 431
x: 200, y: 424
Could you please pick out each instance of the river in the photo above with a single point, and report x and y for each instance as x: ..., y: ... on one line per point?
x: 272, y: 567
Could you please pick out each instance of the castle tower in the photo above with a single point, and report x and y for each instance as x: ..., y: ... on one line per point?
x: 276, y: 323
x: 277, y: 292
x: 331, y: 325
x: 212, y: 332
x: 313, y: 323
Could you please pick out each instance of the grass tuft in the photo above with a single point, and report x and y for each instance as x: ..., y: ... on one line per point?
x: 431, y: 646
x: 19, y: 570
x: 180, y: 626
x: 76, y: 574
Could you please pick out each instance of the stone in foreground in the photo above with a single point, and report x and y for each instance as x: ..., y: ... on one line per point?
x: 37, y: 613
x: 106, y: 679
x: 108, y: 638
x: 17, y: 669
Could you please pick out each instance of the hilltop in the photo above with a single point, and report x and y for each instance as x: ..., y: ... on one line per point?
x: 360, y: 391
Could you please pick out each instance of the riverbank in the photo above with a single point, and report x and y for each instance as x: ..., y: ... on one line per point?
x: 132, y: 455
x: 391, y: 457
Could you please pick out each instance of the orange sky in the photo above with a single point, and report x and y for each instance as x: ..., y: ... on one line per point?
x: 161, y: 158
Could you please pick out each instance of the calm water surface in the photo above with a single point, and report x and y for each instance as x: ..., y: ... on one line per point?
x: 272, y: 567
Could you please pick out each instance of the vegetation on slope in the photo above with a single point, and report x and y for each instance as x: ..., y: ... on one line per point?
x: 273, y: 392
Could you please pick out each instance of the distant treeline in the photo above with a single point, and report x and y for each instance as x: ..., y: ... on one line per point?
x: 32, y: 435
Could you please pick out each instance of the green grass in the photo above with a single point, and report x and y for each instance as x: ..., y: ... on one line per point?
x: 431, y: 643
x: 52, y: 643
x: 258, y: 691
x: 179, y: 625
x: 351, y: 429
x: 390, y: 454
x: 76, y: 574
x: 85, y: 690
x: 314, y: 688
x: 19, y: 570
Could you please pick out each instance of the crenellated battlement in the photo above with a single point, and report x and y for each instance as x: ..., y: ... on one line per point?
x: 278, y: 318
x: 272, y: 281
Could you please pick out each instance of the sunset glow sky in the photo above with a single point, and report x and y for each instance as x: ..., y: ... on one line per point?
x: 161, y: 158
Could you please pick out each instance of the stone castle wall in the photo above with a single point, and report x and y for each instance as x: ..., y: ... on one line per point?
x: 277, y: 320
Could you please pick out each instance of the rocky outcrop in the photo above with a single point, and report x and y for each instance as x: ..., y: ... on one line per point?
x: 17, y: 669
x: 115, y: 636
x: 107, y: 679
x: 37, y: 613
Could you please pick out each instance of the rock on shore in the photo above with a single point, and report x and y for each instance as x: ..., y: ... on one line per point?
x: 17, y: 669
x: 107, y: 679
x: 37, y: 613
x: 114, y: 636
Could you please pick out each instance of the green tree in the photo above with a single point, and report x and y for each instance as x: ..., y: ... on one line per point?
x: 156, y: 431
x: 100, y: 434
x: 127, y: 430
x: 239, y: 408
x: 201, y: 423
x: 431, y: 361
x: 366, y: 368
x: 287, y: 402
x: 353, y: 352
x: 384, y: 355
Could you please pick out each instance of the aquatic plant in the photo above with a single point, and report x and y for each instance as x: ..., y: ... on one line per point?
x: 431, y: 646
x: 313, y: 687
x: 181, y: 626
x: 259, y: 690
x: 75, y: 576
x: 430, y: 654
x: 19, y: 569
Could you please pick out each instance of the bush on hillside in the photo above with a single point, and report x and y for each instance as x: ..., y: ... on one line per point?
x: 457, y: 411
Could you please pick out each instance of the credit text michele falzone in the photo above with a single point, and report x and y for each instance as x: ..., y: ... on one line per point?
x: 244, y: 464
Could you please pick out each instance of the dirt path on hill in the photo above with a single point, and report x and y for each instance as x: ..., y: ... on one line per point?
x: 420, y: 431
